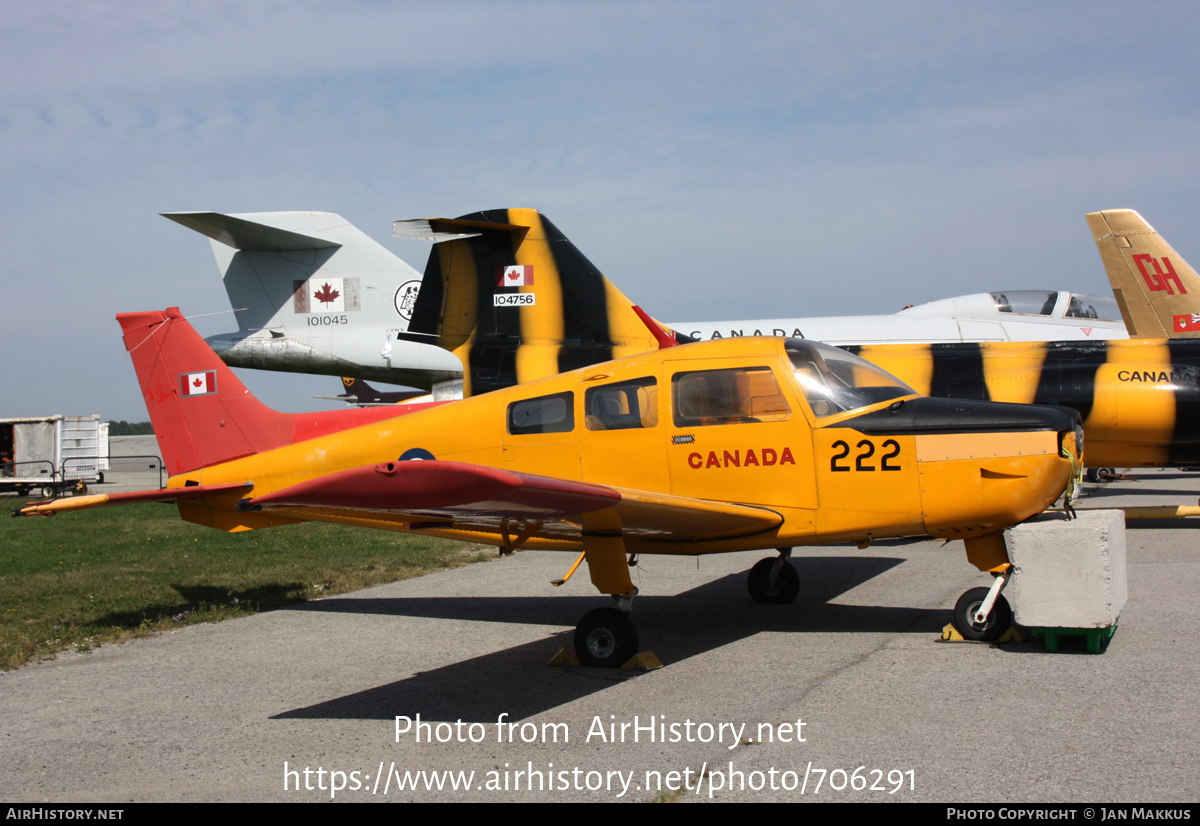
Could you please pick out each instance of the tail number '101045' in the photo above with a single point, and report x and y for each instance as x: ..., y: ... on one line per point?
x: 863, y: 461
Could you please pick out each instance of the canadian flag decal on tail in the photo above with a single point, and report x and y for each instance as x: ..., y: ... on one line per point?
x: 198, y: 384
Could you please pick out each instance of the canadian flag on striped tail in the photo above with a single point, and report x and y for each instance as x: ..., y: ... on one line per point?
x: 198, y: 384
x: 516, y: 275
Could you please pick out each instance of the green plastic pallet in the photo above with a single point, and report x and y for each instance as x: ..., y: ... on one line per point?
x: 1094, y: 636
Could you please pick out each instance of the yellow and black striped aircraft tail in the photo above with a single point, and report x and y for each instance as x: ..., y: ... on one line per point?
x: 507, y: 293
x: 1157, y: 290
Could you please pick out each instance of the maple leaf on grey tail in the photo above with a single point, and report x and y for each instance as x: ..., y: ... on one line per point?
x: 327, y: 294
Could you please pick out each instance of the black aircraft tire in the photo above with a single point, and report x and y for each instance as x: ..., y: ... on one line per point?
x: 605, y: 638
x: 999, y: 621
x: 786, y: 589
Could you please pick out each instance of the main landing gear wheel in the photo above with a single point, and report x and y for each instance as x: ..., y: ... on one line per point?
x: 605, y: 638
x: 999, y: 621
x: 782, y: 591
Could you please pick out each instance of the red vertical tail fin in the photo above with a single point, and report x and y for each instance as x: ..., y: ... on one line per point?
x: 201, y: 413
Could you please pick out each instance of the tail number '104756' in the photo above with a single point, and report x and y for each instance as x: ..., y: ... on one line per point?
x: 514, y: 300
x: 864, y: 459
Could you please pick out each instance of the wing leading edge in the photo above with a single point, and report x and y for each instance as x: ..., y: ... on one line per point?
x: 456, y: 497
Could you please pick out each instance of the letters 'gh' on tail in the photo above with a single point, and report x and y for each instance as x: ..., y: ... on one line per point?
x: 1157, y: 290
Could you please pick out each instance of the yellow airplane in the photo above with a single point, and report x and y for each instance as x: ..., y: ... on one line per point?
x: 735, y: 445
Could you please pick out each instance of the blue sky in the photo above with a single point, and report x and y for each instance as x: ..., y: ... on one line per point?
x: 716, y: 161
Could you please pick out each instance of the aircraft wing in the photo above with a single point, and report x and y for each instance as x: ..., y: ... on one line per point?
x: 455, y: 497
x: 100, y: 500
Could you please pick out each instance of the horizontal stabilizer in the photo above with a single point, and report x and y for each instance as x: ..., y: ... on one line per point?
x: 445, y: 229
x: 363, y: 394
x: 247, y: 235
x: 100, y: 500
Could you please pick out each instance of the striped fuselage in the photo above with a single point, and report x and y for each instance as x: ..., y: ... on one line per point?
x: 1139, y: 399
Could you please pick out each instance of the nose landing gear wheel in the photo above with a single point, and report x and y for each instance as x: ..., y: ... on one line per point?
x: 605, y: 638
x: 999, y: 621
x: 782, y: 591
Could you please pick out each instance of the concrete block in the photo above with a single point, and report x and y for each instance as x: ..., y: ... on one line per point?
x: 1068, y: 574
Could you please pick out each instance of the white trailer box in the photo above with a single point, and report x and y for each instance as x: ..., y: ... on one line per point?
x: 47, y: 454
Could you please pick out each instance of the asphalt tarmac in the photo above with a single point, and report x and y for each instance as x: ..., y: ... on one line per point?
x: 847, y: 695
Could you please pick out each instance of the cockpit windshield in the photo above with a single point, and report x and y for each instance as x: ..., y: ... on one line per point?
x: 834, y: 381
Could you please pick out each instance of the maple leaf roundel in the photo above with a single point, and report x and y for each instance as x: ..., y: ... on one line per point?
x: 327, y: 294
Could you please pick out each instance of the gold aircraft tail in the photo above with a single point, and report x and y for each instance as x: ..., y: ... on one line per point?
x: 507, y: 293
x: 1156, y: 289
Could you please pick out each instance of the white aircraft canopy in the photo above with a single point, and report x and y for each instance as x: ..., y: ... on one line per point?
x: 1045, y: 303
x: 1010, y: 315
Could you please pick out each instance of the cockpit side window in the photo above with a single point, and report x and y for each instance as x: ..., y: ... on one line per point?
x: 735, y: 396
x: 544, y: 414
x: 622, y: 406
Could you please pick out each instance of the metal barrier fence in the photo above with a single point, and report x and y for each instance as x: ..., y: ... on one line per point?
x: 117, y: 474
x: 28, y: 470
x: 123, y: 475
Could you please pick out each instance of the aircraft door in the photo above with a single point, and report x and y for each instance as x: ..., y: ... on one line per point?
x: 623, y: 441
x: 734, y: 436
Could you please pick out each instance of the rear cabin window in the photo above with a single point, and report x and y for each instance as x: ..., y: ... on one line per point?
x: 740, y: 395
x: 622, y: 406
x: 1093, y: 306
x: 545, y: 414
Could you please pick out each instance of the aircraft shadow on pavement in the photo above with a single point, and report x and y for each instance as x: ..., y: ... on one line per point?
x: 1109, y: 493
x: 1145, y: 481
x: 675, y: 628
x: 1174, y: 524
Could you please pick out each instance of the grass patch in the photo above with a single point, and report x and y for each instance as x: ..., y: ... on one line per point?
x: 76, y: 581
